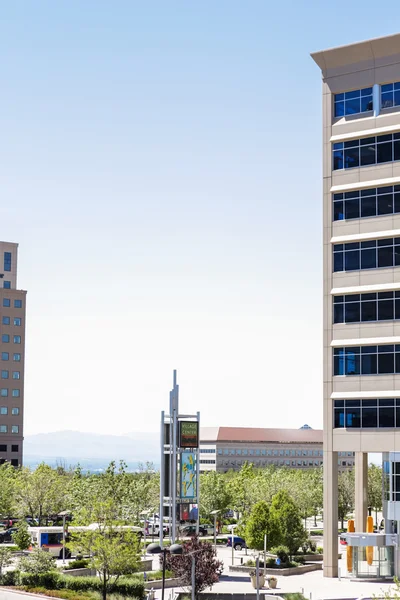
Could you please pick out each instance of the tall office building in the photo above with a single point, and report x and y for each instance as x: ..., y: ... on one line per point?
x: 12, y: 357
x: 361, y: 236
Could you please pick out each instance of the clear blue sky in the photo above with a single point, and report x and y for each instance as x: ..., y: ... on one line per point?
x: 156, y: 160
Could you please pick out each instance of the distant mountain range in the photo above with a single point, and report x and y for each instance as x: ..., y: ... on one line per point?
x: 92, y: 451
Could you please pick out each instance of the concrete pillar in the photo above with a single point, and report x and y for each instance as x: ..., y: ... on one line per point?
x: 361, y: 489
x: 376, y: 99
x: 330, y: 514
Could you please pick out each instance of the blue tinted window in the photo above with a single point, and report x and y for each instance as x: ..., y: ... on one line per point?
x: 390, y: 95
x: 5, y: 338
x: 4, y: 356
x: 377, y: 413
x: 18, y: 303
x: 17, y: 357
x: 17, y: 339
x: 372, y: 254
x: 353, y: 103
x: 367, y: 360
x: 6, y: 302
x: 5, y: 320
x: 7, y: 261
x: 7, y: 285
x: 366, y: 151
x: 4, y: 374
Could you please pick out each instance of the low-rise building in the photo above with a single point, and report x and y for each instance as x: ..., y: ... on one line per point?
x: 226, y: 448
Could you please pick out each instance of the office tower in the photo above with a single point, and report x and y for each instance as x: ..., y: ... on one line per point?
x: 361, y: 265
x: 12, y: 355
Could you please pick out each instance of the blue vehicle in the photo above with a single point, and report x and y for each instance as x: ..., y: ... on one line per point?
x: 238, y: 542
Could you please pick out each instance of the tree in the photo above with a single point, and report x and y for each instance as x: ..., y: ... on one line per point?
x: 5, y: 558
x: 114, y: 551
x: 37, y: 562
x: 286, y: 513
x: 22, y: 537
x: 7, y: 490
x: 207, y: 567
x: 345, y: 495
x: 260, y: 523
x: 214, y: 494
x: 375, y: 489
x: 40, y: 493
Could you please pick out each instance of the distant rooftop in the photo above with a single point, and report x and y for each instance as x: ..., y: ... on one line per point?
x: 254, y: 434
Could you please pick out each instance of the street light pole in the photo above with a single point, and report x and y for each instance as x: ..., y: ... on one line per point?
x: 63, y: 514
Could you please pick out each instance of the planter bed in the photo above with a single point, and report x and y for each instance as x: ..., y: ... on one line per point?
x: 157, y: 584
x: 282, y: 571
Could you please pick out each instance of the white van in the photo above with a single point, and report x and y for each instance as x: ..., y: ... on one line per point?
x: 51, y: 538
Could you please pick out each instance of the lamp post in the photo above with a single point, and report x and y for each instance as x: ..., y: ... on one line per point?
x: 233, y: 542
x: 63, y: 514
x: 215, y: 513
x: 156, y: 549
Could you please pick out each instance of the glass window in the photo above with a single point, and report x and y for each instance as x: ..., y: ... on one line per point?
x: 4, y: 356
x: 7, y: 261
x: 6, y: 302
x: 17, y: 339
x: 17, y: 303
x: 16, y: 393
x: 353, y: 103
x: 17, y: 357
x: 370, y: 254
x: 17, y: 321
x: 3, y: 428
x: 5, y: 338
x: 7, y: 285
x: 14, y: 448
x: 14, y: 428
x: 4, y: 392
x: 3, y: 410
x: 390, y: 95
x: 366, y: 151
x: 5, y: 320
x: 366, y: 203
x: 4, y: 374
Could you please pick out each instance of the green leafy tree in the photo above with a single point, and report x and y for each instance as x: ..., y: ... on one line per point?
x: 345, y: 494
x: 214, y: 494
x: 22, y: 537
x: 375, y: 489
x: 40, y: 493
x: 5, y: 558
x: 114, y: 551
x: 286, y: 513
x: 260, y: 523
x: 8, y: 499
x: 37, y: 562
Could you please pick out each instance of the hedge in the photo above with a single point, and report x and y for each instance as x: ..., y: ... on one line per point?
x: 54, y: 581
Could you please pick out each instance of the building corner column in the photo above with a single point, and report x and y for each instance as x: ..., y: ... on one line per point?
x: 361, y: 490
x: 330, y: 514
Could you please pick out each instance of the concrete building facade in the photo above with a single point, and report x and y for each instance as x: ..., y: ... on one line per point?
x: 12, y: 357
x: 227, y: 448
x: 361, y: 265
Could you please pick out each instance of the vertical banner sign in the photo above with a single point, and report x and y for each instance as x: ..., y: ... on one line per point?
x: 189, y: 434
x: 188, y: 476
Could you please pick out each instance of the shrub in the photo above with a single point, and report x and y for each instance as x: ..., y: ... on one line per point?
x: 49, y: 580
x: 320, y: 550
x: 10, y: 578
x: 300, y: 560
x: 312, y: 545
x: 281, y: 552
x: 77, y: 564
x: 250, y: 563
x: 271, y: 562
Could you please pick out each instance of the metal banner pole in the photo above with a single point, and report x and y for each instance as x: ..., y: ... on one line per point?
x: 198, y: 477
x: 175, y: 412
x: 162, y: 477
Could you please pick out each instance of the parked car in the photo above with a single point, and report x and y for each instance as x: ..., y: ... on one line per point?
x: 209, y: 529
x: 190, y: 530
x: 238, y: 542
x: 343, y: 540
x: 6, y: 535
